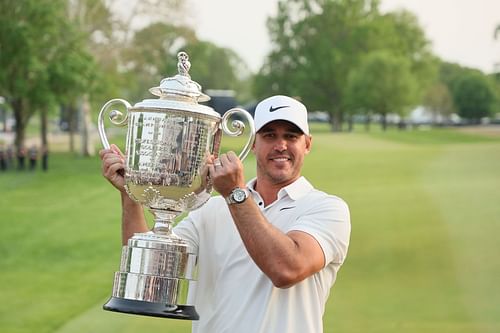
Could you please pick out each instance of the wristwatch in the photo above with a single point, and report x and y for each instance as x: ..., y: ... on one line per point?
x: 237, y: 196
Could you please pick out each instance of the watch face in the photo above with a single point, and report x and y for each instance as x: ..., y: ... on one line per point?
x: 239, y: 195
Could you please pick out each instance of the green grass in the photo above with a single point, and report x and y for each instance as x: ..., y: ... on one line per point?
x: 423, y: 256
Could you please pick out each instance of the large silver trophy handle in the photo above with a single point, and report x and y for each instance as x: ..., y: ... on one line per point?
x: 239, y: 127
x: 115, y: 116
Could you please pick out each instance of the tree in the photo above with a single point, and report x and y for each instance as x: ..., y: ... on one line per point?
x: 474, y: 93
x: 400, y: 33
x: 209, y: 58
x: 382, y: 83
x: 110, y: 27
x: 439, y: 101
x: 33, y: 37
x: 474, y: 96
x: 72, y: 74
x: 152, y: 56
x: 317, y: 43
x: 95, y: 20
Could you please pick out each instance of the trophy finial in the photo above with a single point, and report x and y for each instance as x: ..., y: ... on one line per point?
x: 180, y: 87
x: 183, y: 65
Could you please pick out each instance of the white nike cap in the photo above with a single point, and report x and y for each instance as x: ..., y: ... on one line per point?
x: 281, y: 108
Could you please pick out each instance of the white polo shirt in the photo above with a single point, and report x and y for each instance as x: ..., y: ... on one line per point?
x: 233, y: 295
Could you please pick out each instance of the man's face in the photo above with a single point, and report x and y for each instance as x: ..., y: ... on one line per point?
x: 279, y: 148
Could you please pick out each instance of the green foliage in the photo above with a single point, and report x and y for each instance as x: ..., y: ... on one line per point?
x: 316, y: 44
x: 495, y: 77
x: 311, y: 41
x: 151, y: 57
x: 383, y: 84
x: 474, y: 96
x: 209, y: 59
x: 438, y: 100
x: 401, y: 34
x: 42, y: 57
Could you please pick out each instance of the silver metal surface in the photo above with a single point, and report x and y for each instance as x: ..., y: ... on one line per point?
x: 150, y: 288
x: 166, y: 151
x: 167, y: 146
x: 155, y: 268
x: 172, y: 261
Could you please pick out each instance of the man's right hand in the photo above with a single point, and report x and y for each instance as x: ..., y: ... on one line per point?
x: 113, y: 166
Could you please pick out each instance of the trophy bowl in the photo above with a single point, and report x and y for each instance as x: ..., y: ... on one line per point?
x: 167, y: 146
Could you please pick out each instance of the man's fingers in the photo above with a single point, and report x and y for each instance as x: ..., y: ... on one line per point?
x: 113, y: 168
x: 231, y: 156
x: 117, y: 150
x: 111, y: 164
x: 224, y: 160
x: 111, y: 160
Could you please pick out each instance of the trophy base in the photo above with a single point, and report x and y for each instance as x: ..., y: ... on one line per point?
x: 124, y: 305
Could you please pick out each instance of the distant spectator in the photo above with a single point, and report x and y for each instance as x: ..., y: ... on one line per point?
x: 21, y: 156
x: 45, y: 158
x: 33, y: 156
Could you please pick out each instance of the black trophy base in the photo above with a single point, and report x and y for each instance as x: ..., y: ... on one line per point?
x: 186, y: 312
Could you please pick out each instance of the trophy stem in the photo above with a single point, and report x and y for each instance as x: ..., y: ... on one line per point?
x: 163, y: 221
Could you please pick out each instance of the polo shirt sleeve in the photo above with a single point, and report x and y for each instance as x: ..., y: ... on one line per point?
x: 187, y: 229
x: 327, y: 219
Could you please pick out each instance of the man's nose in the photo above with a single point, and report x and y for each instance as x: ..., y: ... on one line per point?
x: 280, y: 145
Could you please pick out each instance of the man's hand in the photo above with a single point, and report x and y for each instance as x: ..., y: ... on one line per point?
x: 227, y: 173
x: 113, y: 165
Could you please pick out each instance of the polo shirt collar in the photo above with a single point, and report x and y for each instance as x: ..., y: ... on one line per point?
x: 295, y: 190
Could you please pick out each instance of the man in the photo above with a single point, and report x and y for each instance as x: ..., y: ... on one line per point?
x: 269, y: 250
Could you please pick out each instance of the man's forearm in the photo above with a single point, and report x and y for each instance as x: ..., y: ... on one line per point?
x: 285, y: 258
x: 133, y: 219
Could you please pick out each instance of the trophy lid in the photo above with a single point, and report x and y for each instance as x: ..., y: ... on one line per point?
x: 180, y: 85
x: 179, y: 90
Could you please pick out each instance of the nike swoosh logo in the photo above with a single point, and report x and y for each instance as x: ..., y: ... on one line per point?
x: 286, y: 208
x: 271, y: 109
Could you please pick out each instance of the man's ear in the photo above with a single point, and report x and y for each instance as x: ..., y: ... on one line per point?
x: 308, y: 143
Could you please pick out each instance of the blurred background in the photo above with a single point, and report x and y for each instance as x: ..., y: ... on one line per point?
x: 404, y: 102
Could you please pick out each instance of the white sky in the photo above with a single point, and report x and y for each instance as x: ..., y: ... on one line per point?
x: 460, y: 30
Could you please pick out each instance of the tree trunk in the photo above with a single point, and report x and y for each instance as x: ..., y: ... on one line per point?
x: 85, y: 127
x: 383, y: 121
x: 71, y: 127
x: 17, y: 106
x: 350, y: 123
x: 336, y: 121
x: 44, y: 127
x: 3, y: 111
x: 368, y: 122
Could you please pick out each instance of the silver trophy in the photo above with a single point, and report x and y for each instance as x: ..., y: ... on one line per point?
x: 168, y: 142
